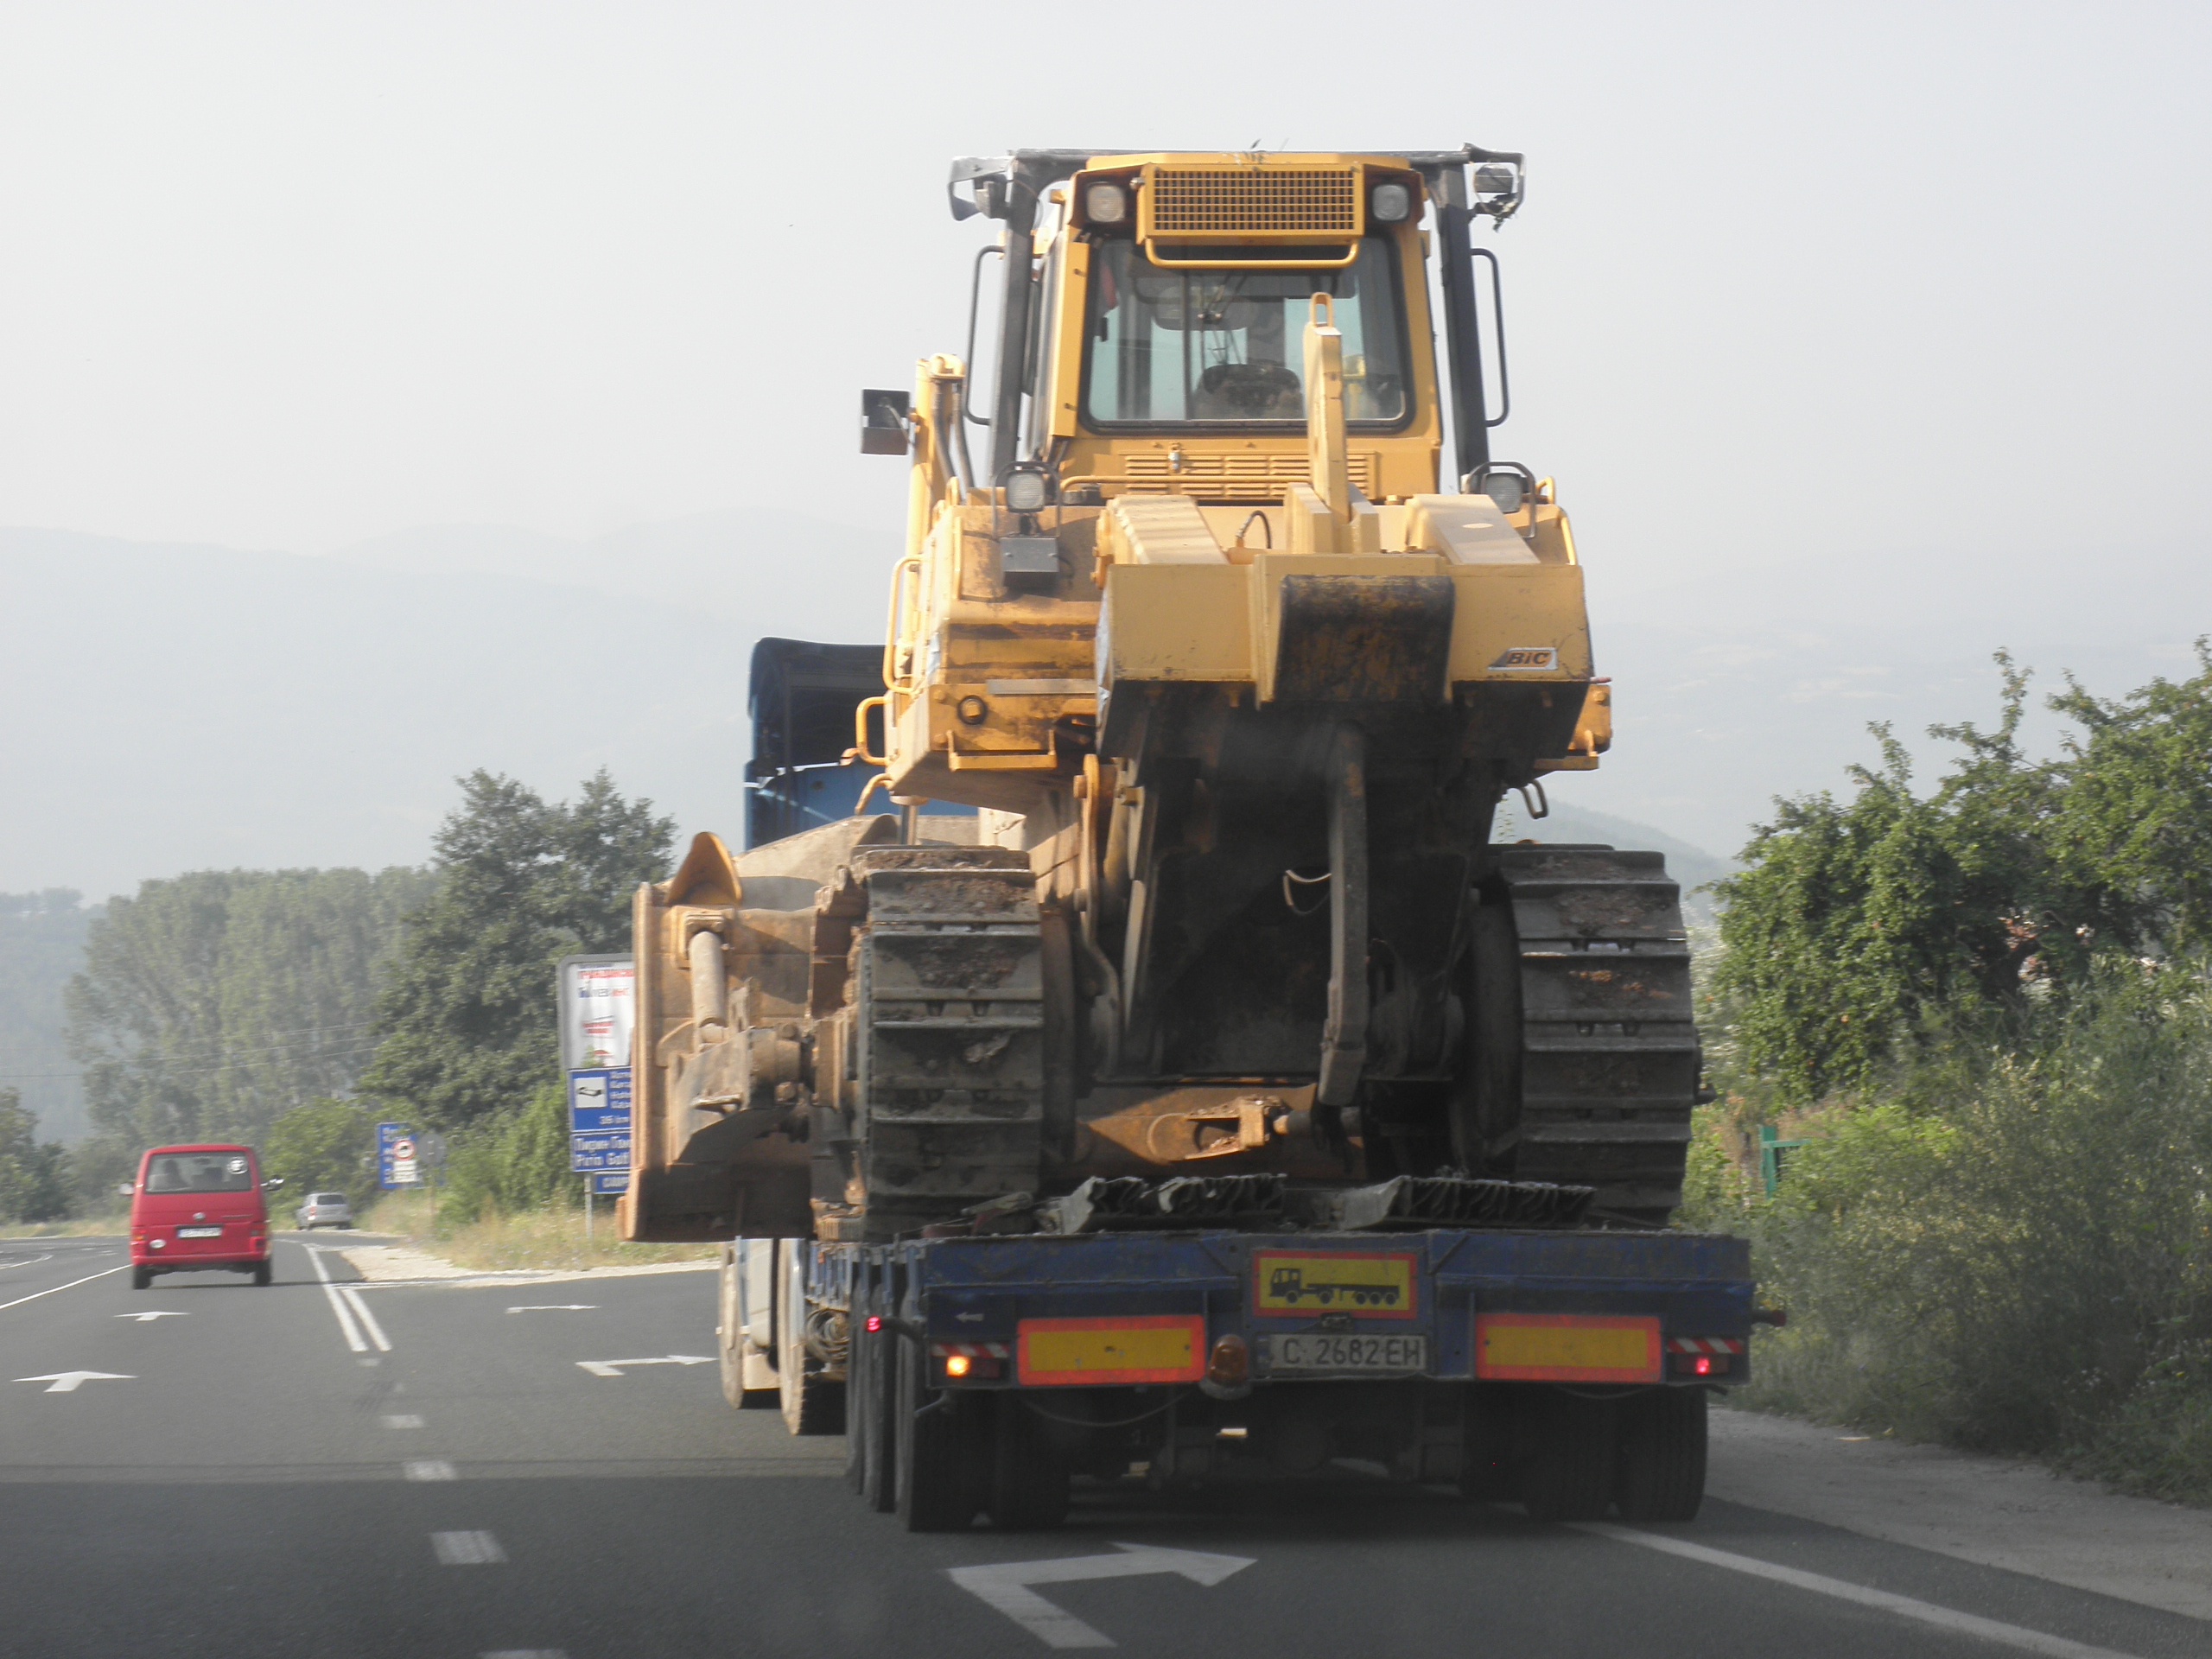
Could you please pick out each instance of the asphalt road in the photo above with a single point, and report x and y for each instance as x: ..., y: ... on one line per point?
x: 418, y: 1472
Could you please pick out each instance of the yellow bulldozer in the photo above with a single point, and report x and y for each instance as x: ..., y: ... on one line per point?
x: 1230, y: 672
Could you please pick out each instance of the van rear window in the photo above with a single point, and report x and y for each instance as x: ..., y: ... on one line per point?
x: 200, y: 1171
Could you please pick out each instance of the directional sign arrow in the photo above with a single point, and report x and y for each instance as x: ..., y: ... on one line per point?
x: 153, y: 1314
x: 612, y: 1367
x: 1007, y: 1586
x: 66, y: 1382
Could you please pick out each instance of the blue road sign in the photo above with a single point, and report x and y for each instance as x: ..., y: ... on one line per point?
x: 599, y: 1102
x: 396, y: 1165
x: 596, y: 1154
x: 599, y: 1120
x: 610, y: 1185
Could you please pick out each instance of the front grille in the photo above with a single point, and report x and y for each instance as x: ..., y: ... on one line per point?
x: 1235, y: 478
x: 1243, y: 201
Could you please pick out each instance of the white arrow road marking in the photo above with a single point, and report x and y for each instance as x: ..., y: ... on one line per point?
x: 154, y: 1313
x: 1007, y: 1586
x: 557, y: 1308
x: 611, y: 1367
x: 66, y: 1382
x: 428, y: 1469
x: 1989, y: 1630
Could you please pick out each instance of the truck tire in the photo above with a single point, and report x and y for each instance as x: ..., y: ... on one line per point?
x: 1661, y: 1475
x: 1029, y: 1473
x: 870, y: 1398
x: 733, y: 1349
x: 1568, y: 1475
x: 936, y: 1483
x: 812, y: 1403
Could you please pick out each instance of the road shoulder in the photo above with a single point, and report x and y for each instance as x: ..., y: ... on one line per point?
x: 1993, y: 1511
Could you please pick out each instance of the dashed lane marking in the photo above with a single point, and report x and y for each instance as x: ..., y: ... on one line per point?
x: 55, y: 1289
x: 466, y: 1549
x: 1927, y: 1613
x: 557, y: 1308
x: 527, y: 1653
x: 428, y: 1469
x: 402, y: 1421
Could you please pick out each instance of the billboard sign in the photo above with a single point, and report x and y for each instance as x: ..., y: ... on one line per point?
x: 599, y: 1001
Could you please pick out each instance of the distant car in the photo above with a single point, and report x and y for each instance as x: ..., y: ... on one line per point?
x: 197, y: 1207
x: 325, y: 1209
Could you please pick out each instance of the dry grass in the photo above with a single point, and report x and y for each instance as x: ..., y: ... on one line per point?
x: 537, y: 1238
x: 114, y: 1224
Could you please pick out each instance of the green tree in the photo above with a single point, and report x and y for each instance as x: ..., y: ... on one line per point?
x: 33, y: 1174
x: 468, y: 1016
x: 210, y: 1002
x: 323, y: 1145
x: 1860, y: 926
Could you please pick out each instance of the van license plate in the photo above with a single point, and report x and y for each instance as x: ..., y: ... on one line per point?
x: 199, y: 1232
x: 1315, y: 1352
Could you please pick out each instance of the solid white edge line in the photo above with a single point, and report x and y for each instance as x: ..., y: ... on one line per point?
x: 1989, y: 1629
x: 72, y: 1285
x: 368, y: 1320
x: 347, y: 1328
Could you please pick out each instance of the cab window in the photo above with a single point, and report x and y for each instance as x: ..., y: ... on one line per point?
x: 1181, y: 347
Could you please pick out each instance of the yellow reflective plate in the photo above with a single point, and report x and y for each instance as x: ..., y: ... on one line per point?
x: 1164, y: 1348
x: 1366, y: 1284
x: 1567, y: 1347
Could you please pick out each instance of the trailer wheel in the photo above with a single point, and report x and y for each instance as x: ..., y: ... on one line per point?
x: 1029, y: 1473
x: 936, y: 1487
x: 1661, y: 1475
x: 1569, y: 1472
x: 872, y: 1405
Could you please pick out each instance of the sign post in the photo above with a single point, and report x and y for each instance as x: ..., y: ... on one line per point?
x: 598, y: 1013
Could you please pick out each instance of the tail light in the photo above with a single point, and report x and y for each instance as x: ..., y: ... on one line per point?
x: 1231, y: 1362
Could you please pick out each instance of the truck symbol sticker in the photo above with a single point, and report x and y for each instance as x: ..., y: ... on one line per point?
x: 1367, y: 1284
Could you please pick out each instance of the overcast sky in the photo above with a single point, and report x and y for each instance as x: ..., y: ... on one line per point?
x: 1791, y: 277
x: 1902, y: 306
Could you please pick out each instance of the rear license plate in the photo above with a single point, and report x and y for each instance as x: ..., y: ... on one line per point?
x: 1315, y: 1352
x: 199, y: 1232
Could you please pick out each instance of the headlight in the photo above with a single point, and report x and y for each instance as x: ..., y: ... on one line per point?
x: 1027, y: 492
x: 1105, y: 204
x: 1389, y: 203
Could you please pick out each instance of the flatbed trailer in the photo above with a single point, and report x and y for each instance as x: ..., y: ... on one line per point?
x: 1567, y: 1369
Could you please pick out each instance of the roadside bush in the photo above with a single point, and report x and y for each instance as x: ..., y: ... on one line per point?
x: 2027, y: 1268
x: 323, y: 1145
x: 512, y: 1161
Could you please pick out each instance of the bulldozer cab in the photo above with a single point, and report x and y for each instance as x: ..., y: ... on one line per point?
x: 1151, y: 310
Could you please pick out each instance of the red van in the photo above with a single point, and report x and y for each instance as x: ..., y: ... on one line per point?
x: 195, y: 1208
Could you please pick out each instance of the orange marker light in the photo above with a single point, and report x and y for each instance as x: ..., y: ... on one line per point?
x: 957, y: 1364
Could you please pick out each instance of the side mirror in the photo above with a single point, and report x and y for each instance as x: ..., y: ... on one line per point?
x: 274, y: 1180
x: 126, y: 1189
x: 883, y: 423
